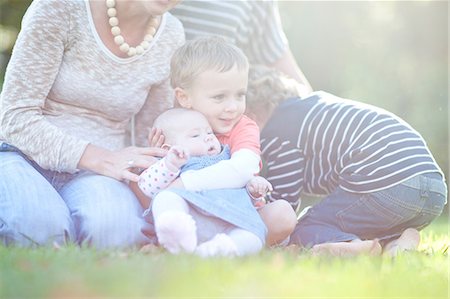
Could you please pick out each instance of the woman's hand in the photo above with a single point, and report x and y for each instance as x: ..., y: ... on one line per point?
x: 119, y: 164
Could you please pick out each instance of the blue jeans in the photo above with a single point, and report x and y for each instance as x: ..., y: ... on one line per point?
x: 345, y: 216
x: 39, y: 207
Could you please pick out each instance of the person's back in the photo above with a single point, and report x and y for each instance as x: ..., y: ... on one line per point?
x: 344, y: 143
x: 380, y: 181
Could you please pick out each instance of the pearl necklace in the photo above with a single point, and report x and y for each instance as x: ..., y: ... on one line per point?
x: 118, y: 38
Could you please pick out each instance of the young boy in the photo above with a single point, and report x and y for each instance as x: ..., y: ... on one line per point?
x: 231, y: 224
x: 210, y: 75
x: 379, y: 179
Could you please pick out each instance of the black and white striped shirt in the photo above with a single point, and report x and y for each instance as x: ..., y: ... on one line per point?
x: 254, y: 26
x: 322, y: 142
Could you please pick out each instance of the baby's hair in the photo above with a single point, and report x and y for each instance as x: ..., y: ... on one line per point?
x: 204, y: 54
x: 267, y: 88
x: 169, y: 121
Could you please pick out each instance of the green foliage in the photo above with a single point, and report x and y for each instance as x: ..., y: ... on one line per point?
x: 392, y: 54
x: 280, y: 273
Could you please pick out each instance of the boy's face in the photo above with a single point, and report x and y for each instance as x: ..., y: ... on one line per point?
x: 196, y: 135
x: 219, y: 96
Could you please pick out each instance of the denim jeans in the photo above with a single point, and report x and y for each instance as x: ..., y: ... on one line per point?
x: 345, y: 216
x: 40, y: 207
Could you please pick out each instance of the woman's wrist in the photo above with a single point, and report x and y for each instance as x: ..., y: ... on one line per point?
x: 96, y: 159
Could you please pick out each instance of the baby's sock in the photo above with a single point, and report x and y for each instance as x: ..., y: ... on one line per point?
x: 176, y: 231
x: 238, y: 242
x: 220, y: 245
x: 246, y: 242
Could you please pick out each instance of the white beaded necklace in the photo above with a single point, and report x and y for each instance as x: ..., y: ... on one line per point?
x: 118, y: 38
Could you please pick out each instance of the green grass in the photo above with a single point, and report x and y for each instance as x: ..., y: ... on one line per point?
x: 82, y: 273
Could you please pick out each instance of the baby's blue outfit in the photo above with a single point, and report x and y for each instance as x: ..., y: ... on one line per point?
x: 231, y: 205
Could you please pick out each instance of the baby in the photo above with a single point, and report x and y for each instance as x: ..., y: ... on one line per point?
x: 236, y: 228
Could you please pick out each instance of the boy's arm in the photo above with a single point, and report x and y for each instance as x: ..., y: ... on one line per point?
x: 232, y: 173
x: 238, y: 170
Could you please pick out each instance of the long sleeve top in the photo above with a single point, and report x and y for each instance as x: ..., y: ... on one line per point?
x: 64, y: 89
x: 235, y: 172
x: 323, y: 142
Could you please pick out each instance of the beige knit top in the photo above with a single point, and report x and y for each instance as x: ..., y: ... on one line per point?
x: 64, y: 89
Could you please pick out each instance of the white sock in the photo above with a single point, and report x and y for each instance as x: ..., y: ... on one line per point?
x: 176, y: 231
x: 246, y: 242
x: 220, y: 245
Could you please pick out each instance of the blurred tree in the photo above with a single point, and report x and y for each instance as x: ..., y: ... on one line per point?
x: 392, y: 54
x: 11, y: 12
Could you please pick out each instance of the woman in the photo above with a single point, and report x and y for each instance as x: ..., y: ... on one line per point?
x: 79, y: 72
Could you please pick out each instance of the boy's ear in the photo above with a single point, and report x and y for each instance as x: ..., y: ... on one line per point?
x: 182, y: 97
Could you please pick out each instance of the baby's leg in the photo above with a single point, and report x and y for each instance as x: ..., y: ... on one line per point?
x: 175, y: 228
x: 280, y: 220
x: 237, y: 242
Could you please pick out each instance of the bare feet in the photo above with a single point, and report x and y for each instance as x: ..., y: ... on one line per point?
x: 220, y: 245
x: 348, y: 249
x: 409, y: 240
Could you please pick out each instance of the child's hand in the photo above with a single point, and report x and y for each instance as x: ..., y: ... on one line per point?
x: 176, y: 157
x: 155, y: 138
x: 258, y: 187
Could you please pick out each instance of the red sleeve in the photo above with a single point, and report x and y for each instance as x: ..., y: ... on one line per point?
x: 245, y: 134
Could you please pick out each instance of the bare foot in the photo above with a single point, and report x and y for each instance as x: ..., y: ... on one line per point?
x: 409, y: 240
x: 348, y: 249
x: 150, y: 249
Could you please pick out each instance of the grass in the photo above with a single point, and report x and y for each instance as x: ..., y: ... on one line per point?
x: 86, y: 273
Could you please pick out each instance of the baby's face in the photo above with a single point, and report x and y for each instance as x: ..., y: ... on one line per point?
x: 196, y: 135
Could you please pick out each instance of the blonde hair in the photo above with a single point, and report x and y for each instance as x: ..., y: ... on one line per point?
x: 267, y: 88
x: 204, y: 54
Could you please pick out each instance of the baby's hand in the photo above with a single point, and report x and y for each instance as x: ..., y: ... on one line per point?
x: 176, y: 157
x: 258, y: 187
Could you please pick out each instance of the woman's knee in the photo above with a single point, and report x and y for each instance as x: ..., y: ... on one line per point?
x: 105, y: 212
x: 38, y: 228
x: 31, y: 211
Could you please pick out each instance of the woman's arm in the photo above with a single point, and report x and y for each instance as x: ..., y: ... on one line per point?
x: 268, y: 44
x: 31, y: 72
x: 118, y: 164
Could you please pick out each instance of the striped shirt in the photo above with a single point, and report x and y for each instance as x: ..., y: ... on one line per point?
x: 323, y: 142
x: 254, y: 26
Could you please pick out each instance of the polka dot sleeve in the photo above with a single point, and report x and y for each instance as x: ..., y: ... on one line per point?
x: 156, y: 178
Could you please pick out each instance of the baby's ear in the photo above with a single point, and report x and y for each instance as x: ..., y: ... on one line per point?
x: 182, y: 98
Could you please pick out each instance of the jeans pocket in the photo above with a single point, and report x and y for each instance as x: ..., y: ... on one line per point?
x: 371, y: 212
